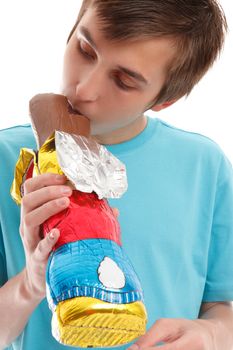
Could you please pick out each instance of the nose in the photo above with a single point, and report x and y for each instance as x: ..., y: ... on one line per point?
x: 88, y: 88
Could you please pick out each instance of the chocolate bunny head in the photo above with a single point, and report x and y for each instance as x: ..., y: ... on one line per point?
x: 50, y: 112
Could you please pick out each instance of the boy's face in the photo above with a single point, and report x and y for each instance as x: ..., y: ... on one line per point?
x: 96, y: 79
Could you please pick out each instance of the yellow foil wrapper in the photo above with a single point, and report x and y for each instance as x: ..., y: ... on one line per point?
x: 26, y: 157
x: 47, y: 157
x: 45, y: 161
x: 90, y: 322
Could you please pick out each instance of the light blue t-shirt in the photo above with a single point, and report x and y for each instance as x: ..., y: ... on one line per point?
x: 176, y: 221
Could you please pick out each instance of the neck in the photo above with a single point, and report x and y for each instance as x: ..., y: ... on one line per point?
x: 122, y: 134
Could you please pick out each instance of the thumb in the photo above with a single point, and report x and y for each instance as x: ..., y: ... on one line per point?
x: 46, y: 245
x: 116, y: 212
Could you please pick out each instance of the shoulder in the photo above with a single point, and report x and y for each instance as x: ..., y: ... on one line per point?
x: 11, y: 141
x: 15, y: 137
x: 191, y: 143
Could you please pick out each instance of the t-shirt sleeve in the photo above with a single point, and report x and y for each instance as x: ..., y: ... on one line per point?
x: 3, y: 273
x: 219, y: 280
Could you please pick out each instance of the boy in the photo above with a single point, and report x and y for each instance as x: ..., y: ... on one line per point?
x: 123, y: 58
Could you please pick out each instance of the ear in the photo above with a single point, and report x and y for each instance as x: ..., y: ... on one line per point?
x: 163, y: 105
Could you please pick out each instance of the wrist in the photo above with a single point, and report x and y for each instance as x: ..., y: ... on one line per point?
x: 218, y: 332
x: 223, y: 333
x: 28, y: 292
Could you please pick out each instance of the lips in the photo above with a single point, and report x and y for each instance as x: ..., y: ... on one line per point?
x: 72, y: 110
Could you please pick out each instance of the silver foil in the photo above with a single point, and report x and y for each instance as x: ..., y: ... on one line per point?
x: 90, y: 166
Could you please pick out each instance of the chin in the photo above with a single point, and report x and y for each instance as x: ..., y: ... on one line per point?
x: 98, y: 128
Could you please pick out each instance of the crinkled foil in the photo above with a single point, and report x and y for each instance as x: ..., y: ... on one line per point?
x: 23, y: 165
x: 90, y: 166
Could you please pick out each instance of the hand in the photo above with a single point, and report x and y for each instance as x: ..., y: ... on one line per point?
x: 180, y: 334
x: 42, y: 195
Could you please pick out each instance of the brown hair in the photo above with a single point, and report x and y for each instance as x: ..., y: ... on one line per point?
x: 198, y: 28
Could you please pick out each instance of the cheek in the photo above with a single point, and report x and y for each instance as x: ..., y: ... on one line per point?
x: 125, y: 103
x: 130, y: 103
x: 122, y: 110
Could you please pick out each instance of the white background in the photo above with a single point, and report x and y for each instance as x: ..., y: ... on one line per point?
x: 33, y: 37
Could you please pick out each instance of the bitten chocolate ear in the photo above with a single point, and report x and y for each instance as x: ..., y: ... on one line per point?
x: 49, y: 112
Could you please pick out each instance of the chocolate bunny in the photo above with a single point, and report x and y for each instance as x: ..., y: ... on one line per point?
x: 91, y: 286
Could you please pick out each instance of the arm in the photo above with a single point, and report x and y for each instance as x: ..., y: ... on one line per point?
x: 16, y: 304
x: 212, y: 331
x: 21, y: 294
x: 221, y: 314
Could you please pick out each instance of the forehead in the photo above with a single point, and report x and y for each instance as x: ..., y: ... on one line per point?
x: 147, y: 56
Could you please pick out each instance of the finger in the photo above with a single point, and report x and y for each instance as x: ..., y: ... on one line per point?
x: 46, y: 245
x: 116, y: 212
x: 183, y: 343
x: 40, y: 181
x: 163, y: 330
x: 39, y: 197
x: 36, y: 217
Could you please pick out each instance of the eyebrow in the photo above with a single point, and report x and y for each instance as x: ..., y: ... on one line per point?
x: 136, y: 75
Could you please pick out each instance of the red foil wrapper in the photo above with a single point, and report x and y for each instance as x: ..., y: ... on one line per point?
x: 86, y: 217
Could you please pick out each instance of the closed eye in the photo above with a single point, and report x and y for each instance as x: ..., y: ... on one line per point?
x: 83, y: 52
x: 118, y: 81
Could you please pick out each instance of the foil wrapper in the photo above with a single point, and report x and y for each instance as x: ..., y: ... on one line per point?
x: 92, y: 288
x: 90, y: 166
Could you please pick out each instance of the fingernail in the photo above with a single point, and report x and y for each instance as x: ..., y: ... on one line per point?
x: 65, y: 190
x: 62, y: 201
x: 52, y: 234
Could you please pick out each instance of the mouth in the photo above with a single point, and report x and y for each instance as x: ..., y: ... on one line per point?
x: 72, y: 110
